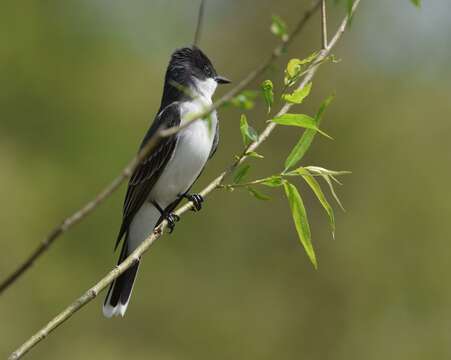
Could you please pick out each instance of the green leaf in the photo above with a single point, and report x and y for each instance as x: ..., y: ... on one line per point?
x: 300, y: 120
x: 257, y: 194
x: 248, y: 134
x: 244, y: 127
x: 300, y: 220
x: 301, y: 148
x: 295, y: 68
x: 279, y: 28
x: 254, y: 155
x: 252, y: 134
x: 268, y: 93
x: 323, y: 171
x: 327, y: 175
x: 324, y: 105
x: 417, y: 3
x: 316, y: 188
x: 309, y: 59
x: 241, y: 173
x: 298, y: 96
x: 332, y: 191
x: 349, y: 4
x: 335, y: 179
x: 273, y: 181
x: 210, y: 124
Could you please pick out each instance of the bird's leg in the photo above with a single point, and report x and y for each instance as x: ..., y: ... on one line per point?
x: 169, y: 216
x: 196, y: 199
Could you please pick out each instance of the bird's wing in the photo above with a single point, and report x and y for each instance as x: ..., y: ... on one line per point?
x: 149, y: 170
x: 215, y: 141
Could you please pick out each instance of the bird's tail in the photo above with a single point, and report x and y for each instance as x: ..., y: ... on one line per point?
x: 118, y: 296
x: 143, y: 224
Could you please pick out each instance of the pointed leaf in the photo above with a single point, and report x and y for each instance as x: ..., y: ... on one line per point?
x: 300, y: 120
x: 335, y: 179
x: 273, y: 181
x: 295, y: 67
x: 307, y: 137
x: 332, y: 191
x: 309, y: 59
x: 244, y: 128
x: 316, y: 188
x: 300, y: 220
x: 323, y: 171
x: 323, y: 107
x: 299, y: 149
x: 252, y: 134
x: 248, y: 134
x: 298, y: 96
x: 268, y: 93
x: 254, y: 155
x: 327, y: 175
x: 241, y: 173
x: 349, y: 6
x: 257, y: 194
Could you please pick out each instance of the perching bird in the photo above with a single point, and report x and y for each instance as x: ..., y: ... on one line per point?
x: 164, y: 178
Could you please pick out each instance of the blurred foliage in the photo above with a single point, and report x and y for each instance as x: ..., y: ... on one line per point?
x: 81, y: 82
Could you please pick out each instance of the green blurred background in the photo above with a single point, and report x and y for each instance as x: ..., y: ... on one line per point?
x: 80, y: 83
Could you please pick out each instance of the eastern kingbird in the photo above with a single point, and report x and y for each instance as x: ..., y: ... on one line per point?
x: 164, y: 178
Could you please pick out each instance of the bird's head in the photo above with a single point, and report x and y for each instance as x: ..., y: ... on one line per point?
x: 190, y: 70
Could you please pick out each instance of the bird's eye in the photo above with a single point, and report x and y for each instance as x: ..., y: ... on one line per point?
x: 207, y: 70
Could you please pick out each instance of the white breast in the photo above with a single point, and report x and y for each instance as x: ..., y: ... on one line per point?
x: 191, y: 153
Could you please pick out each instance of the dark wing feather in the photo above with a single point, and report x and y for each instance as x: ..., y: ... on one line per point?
x: 215, y: 141
x: 149, y: 170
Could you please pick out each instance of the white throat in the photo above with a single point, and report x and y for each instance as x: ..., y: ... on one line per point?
x: 204, y: 88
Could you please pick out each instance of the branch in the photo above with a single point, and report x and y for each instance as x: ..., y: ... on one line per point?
x: 200, y: 20
x: 144, y: 246
x: 324, y: 24
x: 80, y: 214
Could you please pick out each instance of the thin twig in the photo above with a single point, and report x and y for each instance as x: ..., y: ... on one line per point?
x: 200, y: 21
x: 146, y: 244
x: 80, y: 214
x: 324, y: 24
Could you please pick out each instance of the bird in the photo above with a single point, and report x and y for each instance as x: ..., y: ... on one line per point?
x: 166, y: 175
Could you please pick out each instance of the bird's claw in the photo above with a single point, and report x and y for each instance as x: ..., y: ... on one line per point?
x: 197, y: 201
x: 172, y: 218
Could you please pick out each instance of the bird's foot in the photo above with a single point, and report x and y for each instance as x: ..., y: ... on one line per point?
x: 171, y: 218
x: 196, y: 199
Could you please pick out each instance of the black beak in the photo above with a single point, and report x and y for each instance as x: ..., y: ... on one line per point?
x: 222, y: 80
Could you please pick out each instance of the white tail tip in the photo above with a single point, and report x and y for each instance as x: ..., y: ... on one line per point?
x: 110, y: 311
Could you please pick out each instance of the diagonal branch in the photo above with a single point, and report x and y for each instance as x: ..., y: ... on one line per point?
x: 324, y: 24
x: 83, y: 212
x: 134, y: 257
